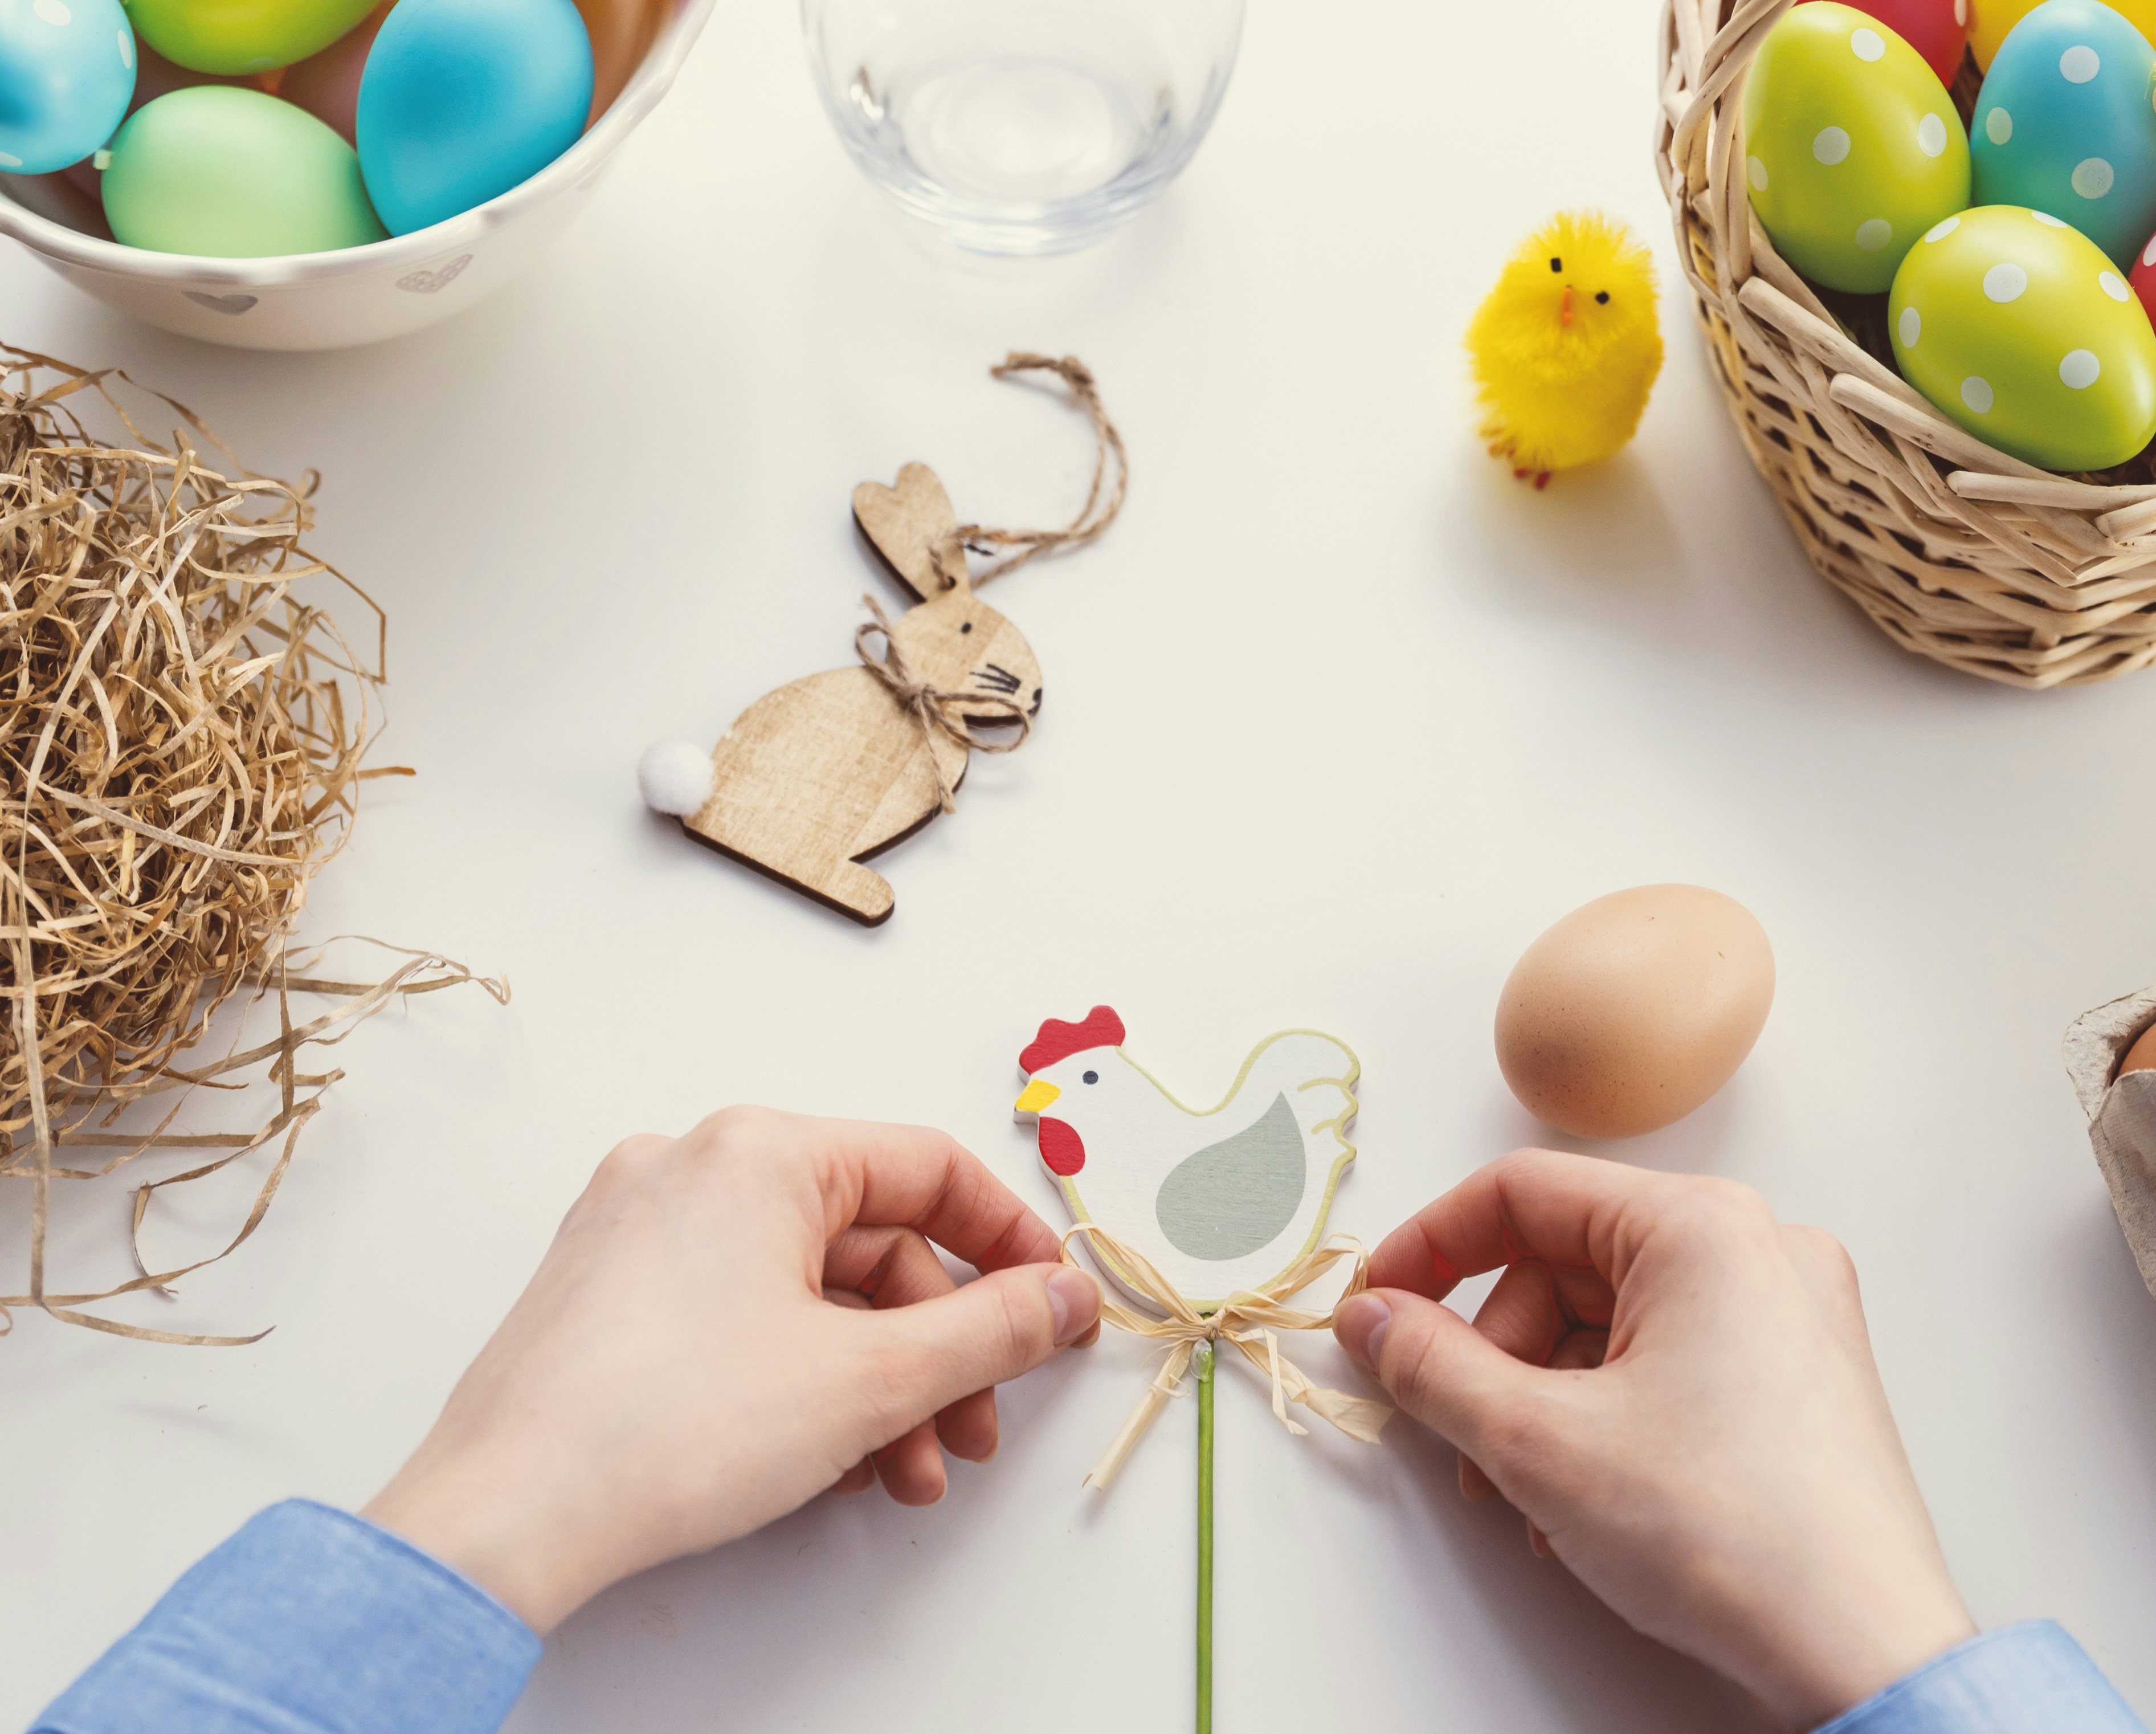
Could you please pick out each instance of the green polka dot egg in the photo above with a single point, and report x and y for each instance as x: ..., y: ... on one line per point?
x: 2018, y: 328
x: 1852, y: 148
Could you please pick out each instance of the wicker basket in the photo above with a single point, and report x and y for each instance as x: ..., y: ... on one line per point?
x: 1958, y: 552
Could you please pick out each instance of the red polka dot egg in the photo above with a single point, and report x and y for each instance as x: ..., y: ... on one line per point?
x: 2018, y: 327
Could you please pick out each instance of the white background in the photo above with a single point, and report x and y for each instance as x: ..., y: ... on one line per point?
x: 1338, y: 718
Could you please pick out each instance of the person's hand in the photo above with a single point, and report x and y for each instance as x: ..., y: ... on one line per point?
x: 676, y: 1374
x: 1678, y: 1392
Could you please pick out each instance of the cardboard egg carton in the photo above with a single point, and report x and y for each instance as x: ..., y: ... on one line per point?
x: 2122, y: 1114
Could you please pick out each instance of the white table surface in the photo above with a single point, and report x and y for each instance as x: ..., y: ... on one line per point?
x: 1339, y: 718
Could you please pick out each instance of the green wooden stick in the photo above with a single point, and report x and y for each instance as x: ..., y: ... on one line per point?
x: 1204, y: 1539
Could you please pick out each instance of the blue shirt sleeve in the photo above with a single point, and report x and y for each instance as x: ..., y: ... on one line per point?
x: 2028, y: 1679
x: 308, y: 1621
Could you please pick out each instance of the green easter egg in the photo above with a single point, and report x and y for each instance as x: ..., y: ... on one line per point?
x: 2018, y: 328
x: 238, y: 36
x: 1851, y: 147
x: 221, y: 170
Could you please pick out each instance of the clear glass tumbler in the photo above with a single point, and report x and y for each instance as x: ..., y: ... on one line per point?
x: 1022, y: 127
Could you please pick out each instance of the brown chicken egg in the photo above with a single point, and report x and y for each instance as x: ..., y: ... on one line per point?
x: 2141, y: 1057
x: 1634, y: 1010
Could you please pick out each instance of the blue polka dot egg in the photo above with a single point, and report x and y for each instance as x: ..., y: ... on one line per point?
x: 2064, y: 124
x: 67, y: 68
x: 1852, y: 149
x: 2017, y: 326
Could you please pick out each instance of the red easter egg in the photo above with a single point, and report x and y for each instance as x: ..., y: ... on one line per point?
x: 1936, y: 29
x: 2142, y: 277
x: 326, y: 84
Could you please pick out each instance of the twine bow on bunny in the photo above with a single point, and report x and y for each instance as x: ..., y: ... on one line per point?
x: 938, y: 708
x: 816, y: 779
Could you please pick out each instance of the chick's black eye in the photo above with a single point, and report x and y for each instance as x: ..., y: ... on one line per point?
x: 1602, y: 297
x: 1092, y: 1077
x: 969, y: 626
x: 1556, y: 264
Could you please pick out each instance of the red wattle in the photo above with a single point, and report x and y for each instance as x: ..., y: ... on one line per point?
x: 1061, y: 1148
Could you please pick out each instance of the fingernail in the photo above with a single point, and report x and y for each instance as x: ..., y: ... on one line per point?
x: 1074, y: 1299
x: 1360, y: 1325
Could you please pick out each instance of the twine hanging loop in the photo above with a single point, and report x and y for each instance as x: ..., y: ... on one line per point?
x: 1251, y: 1321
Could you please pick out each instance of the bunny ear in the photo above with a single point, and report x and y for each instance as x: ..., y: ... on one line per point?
x: 915, y: 530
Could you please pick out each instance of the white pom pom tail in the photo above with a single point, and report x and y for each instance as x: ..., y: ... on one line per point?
x: 675, y: 776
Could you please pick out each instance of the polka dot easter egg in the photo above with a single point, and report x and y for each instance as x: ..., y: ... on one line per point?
x: 67, y: 69
x: 1852, y: 149
x: 2018, y: 328
x: 1936, y: 29
x: 2141, y: 278
x: 1989, y: 22
x: 2064, y: 124
x: 239, y: 36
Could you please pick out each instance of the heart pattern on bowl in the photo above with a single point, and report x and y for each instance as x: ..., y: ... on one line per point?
x: 433, y: 282
x: 233, y: 306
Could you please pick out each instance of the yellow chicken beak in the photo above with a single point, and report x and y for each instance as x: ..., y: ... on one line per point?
x: 1038, y: 1094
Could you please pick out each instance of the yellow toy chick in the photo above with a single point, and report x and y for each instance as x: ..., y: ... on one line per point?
x: 1567, y: 347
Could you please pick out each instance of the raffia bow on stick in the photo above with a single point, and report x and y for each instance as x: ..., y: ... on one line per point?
x: 938, y: 708
x: 1251, y: 1321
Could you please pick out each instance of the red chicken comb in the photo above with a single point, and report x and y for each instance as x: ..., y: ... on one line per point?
x: 1058, y: 1040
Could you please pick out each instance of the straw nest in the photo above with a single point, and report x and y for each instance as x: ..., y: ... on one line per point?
x: 180, y: 739
x: 1957, y: 551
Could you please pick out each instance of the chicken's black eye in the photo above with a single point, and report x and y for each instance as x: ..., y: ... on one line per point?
x: 969, y: 626
x: 1602, y: 297
x: 1092, y: 1077
x: 1556, y: 264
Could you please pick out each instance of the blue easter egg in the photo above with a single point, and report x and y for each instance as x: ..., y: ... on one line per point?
x: 2064, y: 124
x: 67, y: 69
x: 463, y: 99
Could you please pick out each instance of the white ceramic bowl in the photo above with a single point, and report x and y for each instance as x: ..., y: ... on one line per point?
x: 361, y: 294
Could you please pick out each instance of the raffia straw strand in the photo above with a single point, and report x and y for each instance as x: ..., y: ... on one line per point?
x: 179, y: 749
x: 939, y: 710
x: 1251, y: 1321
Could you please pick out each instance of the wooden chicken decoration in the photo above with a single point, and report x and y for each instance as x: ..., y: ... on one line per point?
x: 1211, y: 1220
x: 816, y: 779
x: 1220, y: 1200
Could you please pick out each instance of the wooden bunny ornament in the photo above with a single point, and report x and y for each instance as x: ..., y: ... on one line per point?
x: 819, y: 776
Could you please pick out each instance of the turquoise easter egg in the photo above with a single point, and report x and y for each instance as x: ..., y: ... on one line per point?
x: 1852, y: 149
x: 67, y: 68
x: 225, y: 171
x: 2064, y: 124
x: 2020, y: 328
x: 463, y: 99
x: 238, y: 36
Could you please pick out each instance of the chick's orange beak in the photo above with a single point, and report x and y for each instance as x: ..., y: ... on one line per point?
x: 1038, y: 1094
x: 1564, y: 307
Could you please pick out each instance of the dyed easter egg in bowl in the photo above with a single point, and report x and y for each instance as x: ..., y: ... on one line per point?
x: 2020, y: 329
x: 2064, y: 124
x: 1852, y: 149
x: 1936, y: 29
x: 225, y: 172
x: 463, y: 99
x: 67, y: 69
x: 356, y: 294
x: 241, y: 36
